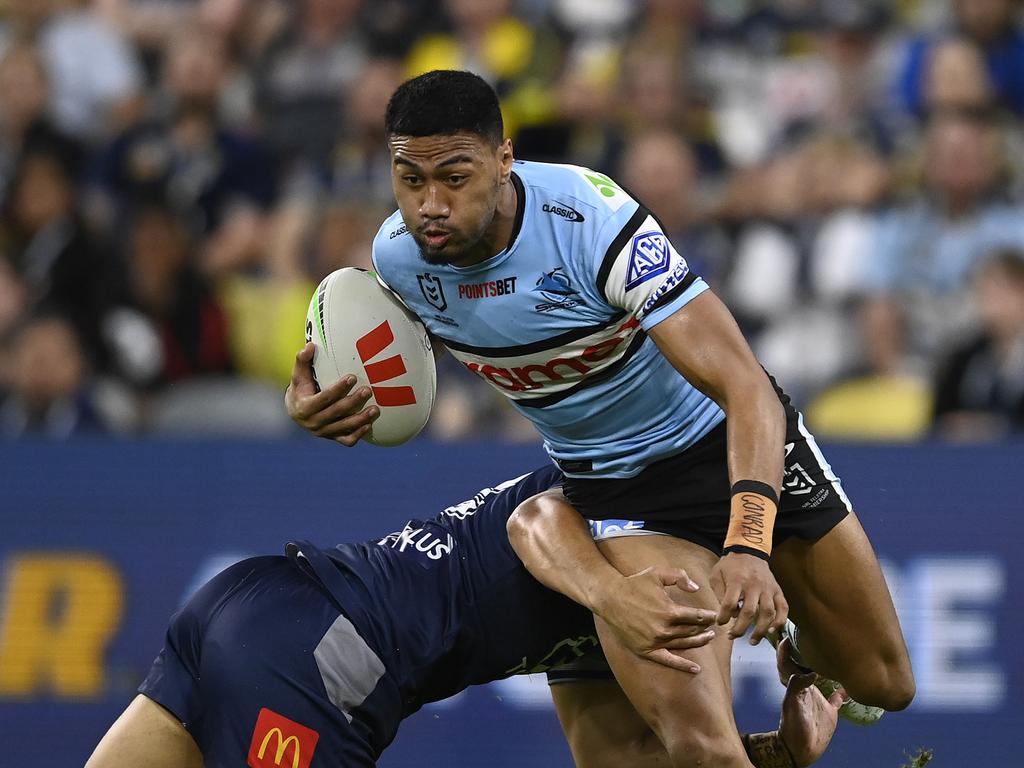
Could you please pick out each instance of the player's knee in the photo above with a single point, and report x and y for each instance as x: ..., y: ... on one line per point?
x: 899, y: 689
x: 689, y: 749
x: 889, y: 685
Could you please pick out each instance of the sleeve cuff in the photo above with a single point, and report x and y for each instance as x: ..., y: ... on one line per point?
x: 661, y: 313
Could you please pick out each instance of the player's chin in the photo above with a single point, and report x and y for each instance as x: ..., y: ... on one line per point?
x: 445, y: 254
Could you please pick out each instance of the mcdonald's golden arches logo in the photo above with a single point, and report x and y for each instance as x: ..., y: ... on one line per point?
x: 278, y: 742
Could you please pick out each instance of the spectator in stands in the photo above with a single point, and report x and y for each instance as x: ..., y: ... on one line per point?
x: 51, y: 251
x: 797, y: 266
x: 303, y: 74
x: 359, y: 167
x: 25, y: 124
x: 487, y: 37
x: 13, y: 304
x: 95, y: 77
x: 50, y: 387
x: 849, y: 63
x: 656, y: 90
x: 917, y: 273
x: 219, y: 181
x: 660, y: 169
x: 169, y: 311
x: 979, y: 392
x: 957, y: 79
x: 992, y: 26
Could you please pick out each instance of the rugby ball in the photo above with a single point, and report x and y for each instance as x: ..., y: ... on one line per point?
x: 359, y: 327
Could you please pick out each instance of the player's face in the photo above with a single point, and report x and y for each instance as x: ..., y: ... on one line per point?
x: 447, y: 187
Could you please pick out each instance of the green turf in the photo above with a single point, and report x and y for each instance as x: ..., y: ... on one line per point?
x: 921, y: 759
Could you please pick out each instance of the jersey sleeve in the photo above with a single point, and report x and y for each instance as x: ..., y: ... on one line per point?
x: 642, y: 273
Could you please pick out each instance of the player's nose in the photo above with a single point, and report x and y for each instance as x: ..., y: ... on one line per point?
x: 434, y: 204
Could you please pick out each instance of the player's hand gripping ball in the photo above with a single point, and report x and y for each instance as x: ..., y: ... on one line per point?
x: 359, y: 327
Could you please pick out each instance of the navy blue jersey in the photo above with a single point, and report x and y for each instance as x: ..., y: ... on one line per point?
x: 314, y: 659
x: 447, y: 602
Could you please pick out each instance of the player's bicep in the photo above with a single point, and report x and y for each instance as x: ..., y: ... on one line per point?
x: 703, y: 343
x: 644, y: 274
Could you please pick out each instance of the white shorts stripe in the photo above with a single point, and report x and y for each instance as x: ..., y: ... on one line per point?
x: 826, y: 468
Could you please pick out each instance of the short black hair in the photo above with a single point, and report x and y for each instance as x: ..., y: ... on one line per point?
x: 445, y: 102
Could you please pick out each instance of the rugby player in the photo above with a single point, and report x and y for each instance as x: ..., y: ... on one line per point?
x: 314, y: 658
x: 559, y: 289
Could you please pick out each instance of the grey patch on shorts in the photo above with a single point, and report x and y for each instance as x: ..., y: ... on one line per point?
x: 349, y: 667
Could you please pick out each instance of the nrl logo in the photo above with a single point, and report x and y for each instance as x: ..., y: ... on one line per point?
x: 433, y: 291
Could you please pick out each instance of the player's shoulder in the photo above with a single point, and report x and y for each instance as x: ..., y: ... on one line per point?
x: 575, y: 192
x: 393, y: 238
x: 393, y: 248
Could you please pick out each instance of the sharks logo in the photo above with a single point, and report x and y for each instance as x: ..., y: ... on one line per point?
x: 556, y: 287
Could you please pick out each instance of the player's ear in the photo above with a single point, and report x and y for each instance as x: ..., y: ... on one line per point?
x: 505, y: 158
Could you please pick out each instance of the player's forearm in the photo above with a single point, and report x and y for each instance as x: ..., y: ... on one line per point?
x: 554, y: 542
x: 756, y: 429
x: 703, y: 343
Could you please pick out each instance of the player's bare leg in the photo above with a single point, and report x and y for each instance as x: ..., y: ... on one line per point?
x: 603, y: 729
x: 691, y: 714
x: 146, y: 736
x: 848, y: 625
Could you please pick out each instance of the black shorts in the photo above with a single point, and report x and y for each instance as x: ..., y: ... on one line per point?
x: 689, y: 495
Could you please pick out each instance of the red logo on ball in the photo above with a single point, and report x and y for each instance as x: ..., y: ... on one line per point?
x: 371, y: 345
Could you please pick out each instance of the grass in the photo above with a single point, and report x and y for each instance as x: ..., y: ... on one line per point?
x: 921, y: 759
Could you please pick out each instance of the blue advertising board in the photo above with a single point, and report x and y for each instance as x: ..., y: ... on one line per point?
x: 103, y: 539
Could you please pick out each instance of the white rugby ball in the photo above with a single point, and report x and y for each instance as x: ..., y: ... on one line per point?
x: 359, y: 327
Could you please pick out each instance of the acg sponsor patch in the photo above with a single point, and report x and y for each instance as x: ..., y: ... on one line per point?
x: 649, y: 257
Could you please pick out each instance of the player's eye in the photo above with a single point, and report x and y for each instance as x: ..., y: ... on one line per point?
x: 412, y: 180
x: 456, y: 179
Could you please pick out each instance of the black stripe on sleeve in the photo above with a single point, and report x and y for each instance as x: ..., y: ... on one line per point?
x: 672, y: 295
x: 634, y: 223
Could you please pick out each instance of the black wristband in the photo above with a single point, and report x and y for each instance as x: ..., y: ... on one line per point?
x: 755, y: 486
x: 745, y: 551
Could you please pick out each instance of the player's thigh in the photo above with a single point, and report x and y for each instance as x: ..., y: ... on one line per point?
x: 841, y: 602
x: 603, y: 728
x: 146, y: 736
x: 691, y: 714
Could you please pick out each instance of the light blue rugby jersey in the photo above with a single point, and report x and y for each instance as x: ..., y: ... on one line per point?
x: 557, y: 322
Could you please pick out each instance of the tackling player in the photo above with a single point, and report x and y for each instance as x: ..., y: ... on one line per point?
x: 313, y: 659
x: 647, y: 397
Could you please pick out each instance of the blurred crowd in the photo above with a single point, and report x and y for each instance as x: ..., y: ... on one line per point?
x: 177, y: 175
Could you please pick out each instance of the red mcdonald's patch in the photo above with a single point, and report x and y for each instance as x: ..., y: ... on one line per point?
x: 278, y: 742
